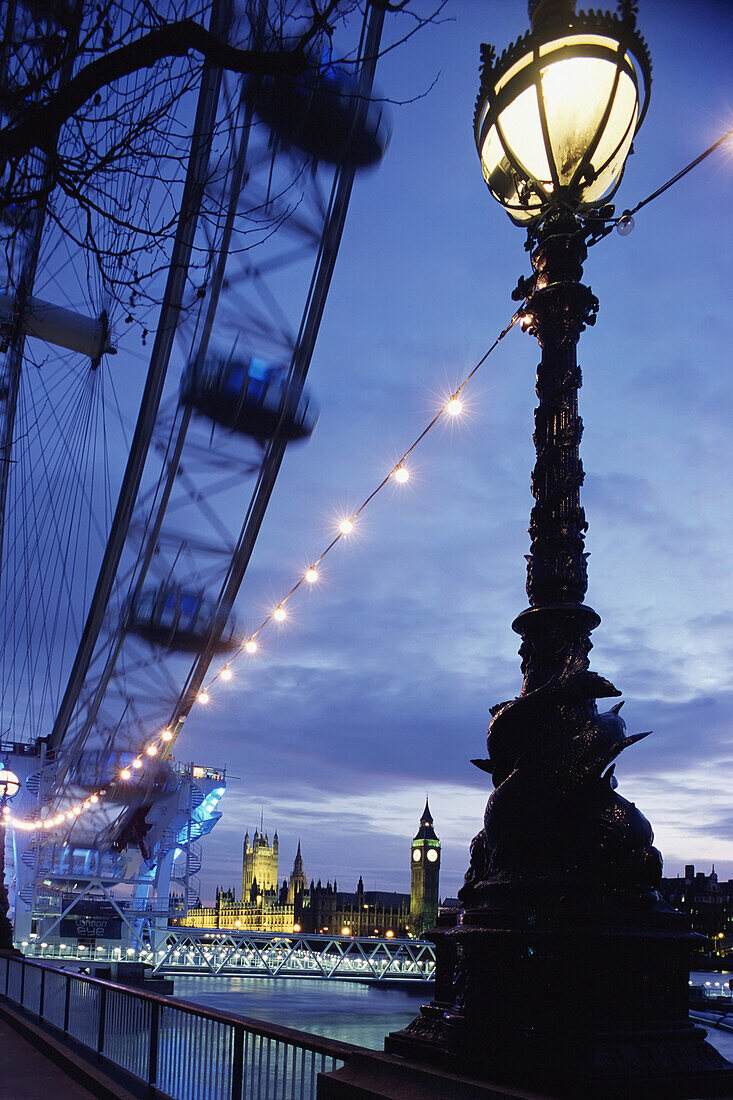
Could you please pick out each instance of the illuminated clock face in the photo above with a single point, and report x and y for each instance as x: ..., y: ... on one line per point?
x: 432, y: 854
x: 416, y: 855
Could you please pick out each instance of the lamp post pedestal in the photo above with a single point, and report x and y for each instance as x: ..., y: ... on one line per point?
x: 564, y: 970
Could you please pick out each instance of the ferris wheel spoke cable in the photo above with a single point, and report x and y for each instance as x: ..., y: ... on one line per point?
x: 63, y: 514
x: 50, y: 491
x: 29, y: 266
x: 182, y: 417
x: 30, y: 501
x: 42, y: 553
x: 310, y: 324
x: 197, y: 168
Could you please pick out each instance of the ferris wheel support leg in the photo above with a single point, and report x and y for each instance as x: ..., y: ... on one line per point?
x: 159, y: 926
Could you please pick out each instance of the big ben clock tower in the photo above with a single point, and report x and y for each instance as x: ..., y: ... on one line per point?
x: 425, y: 862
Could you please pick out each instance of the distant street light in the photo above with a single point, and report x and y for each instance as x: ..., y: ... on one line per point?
x: 563, y: 876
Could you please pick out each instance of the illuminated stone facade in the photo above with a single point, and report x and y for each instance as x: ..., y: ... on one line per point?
x: 259, y: 864
x: 294, y: 907
x: 235, y: 916
x: 425, y: 875
x: 364, y: 913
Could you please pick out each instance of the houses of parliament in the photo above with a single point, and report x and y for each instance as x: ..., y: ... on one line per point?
x: 266, y: 905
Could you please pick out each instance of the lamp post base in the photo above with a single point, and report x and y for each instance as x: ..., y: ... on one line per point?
x: 571, y: 1002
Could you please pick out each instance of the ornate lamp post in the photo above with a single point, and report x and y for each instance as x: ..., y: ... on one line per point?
x: 9, y: 787
x: 564, y: 970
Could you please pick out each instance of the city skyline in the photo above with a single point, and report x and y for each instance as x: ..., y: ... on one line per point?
x: 379, y: 685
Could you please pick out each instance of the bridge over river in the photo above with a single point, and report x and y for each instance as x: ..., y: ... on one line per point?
x: 296, y: 955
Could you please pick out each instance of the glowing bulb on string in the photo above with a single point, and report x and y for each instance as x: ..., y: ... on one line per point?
x: 126, y: 774
x: 166, y: 735
x: 401, y: 474
x: 137, y: 763
x: 624, y: 225
x: 226, y: 674
x: 312, y: 576
x: 279, y: 615
x: 76, y: 811
x: 152, y: 750
x: 203, y: 697
x: 346, y: 526
x: 454, y: 407
x: 251, y: 646
x: 94, y: 798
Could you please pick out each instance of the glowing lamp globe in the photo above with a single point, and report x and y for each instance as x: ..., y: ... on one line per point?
x: 557, y: 112
x: 9, y: 783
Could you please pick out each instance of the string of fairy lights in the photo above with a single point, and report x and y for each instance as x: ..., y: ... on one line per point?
x: 154, y: 748
x: 160, y: 743
x: 452, y: 407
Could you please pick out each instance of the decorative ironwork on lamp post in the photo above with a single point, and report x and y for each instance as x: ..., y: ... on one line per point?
x: 564, y: 969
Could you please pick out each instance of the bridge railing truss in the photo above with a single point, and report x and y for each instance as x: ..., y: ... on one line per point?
x: 296, y: 954
x: 345, y: 958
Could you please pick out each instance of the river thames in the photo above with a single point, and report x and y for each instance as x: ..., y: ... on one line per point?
x: 352, y: 1012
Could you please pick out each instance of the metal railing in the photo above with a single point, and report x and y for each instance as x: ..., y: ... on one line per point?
x: 180, y: 1050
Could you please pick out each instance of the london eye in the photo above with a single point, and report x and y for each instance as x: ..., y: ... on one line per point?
x: 168, y: 253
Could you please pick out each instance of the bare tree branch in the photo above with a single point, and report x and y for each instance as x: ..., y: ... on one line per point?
x: 38, y: 128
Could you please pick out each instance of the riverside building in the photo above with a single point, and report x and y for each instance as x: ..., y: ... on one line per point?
x: 294, y: 907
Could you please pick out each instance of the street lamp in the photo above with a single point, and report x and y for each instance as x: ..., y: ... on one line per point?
x: 9, y: 787
x: 563, y: 875
x: 557, y: 113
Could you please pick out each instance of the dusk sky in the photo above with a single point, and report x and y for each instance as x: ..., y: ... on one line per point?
x: 378, y: 688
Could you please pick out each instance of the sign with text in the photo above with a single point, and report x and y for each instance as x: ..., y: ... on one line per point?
x: 92, y: 926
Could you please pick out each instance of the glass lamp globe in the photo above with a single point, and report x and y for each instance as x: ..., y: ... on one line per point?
x: 557, y: 112
x: 9, y: 783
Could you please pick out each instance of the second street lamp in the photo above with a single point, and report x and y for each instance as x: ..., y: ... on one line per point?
x: 9, y: 787
x: 563, y: 970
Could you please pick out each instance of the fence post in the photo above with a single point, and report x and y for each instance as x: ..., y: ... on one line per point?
x: 22, y: 984
x: 102, y: 1014
x: 153, y: 1051
x: 238, y: 1063
x: 42, y: 997
x: 67, y: 1003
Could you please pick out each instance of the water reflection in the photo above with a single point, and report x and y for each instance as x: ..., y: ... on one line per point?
x: 351, y: 1012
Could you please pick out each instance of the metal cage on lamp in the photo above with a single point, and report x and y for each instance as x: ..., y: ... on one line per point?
x: 557, y: 112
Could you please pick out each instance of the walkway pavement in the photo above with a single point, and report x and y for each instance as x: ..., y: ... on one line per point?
x: 36, y: 1066
x: 28, y: 1075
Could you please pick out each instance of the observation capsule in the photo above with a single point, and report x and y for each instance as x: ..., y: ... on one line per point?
x: 251, y: 397
x: 322, y: 113
x: 179, y: 620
